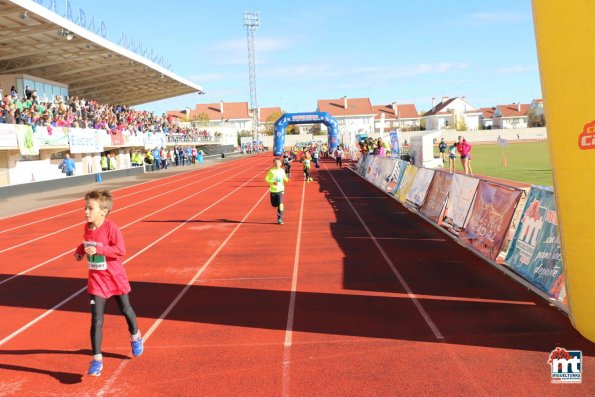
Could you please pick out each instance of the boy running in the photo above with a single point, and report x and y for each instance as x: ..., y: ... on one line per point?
x: 103, y: 246
x: 275, y: 178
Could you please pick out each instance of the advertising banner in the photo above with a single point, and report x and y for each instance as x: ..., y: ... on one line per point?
x: 406, y: 183
x: 52, y: 136
x: 395, y: 150
x: 28, y: 145
x: 154, y: 139
x: 132, y: 138
x: 490, y: 218
x: 396, y: 177
x: 564, y: 32
x: 419, y: 189
x: 8, y: 135
x: 374, y: 168
x: 535, y: 249
x: 85, y: 140
x: 366, y: 168
x: 435, y: 202
x: 116, y: 137
x: 460, y: 196
x: 388, y: 165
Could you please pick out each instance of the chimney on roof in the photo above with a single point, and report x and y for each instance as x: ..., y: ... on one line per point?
x: 187, y: 113
x: 445, y: 98
x: 518, y: 107
x: 433, y: 102
x: 221, y: 107
x: 395, y: 108
x: 345, y: 102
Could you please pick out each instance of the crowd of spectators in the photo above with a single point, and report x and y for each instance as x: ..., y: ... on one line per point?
x: 75, y: 112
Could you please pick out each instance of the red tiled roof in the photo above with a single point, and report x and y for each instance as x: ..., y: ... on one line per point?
x: 406, y: 111
x: 438, y: 108
x: 231, y: 111
x: 512, y: 110
x: 488, y: 113
x: 176, y: 113
x: 266, y: 112
x: 336, y: 107
x: 538, y: 100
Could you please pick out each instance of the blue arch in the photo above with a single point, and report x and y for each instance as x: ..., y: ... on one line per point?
x: 305, y: 118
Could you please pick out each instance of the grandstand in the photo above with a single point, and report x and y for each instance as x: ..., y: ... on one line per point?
x: 59, y: 81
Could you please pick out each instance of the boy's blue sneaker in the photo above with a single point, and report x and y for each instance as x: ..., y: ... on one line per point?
x: 137, y: 347
x: 95, y: 368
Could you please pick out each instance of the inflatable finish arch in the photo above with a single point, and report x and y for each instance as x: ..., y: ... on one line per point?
x: 305, y: 118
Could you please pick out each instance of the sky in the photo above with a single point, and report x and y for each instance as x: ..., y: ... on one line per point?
x: 389, y: 51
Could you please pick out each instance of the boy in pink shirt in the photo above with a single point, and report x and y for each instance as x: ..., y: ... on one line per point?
x: 103, y: 246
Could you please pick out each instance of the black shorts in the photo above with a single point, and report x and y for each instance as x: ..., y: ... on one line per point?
x: 276, y: 198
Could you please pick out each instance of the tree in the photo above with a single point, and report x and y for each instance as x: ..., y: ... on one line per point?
x: 270, y: 122
x: 422, y: 121
x: 203, y: 118
x: 461, y: 124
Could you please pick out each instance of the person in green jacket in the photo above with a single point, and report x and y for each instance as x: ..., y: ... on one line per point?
x: 103, y: 162
x: 276, y: 178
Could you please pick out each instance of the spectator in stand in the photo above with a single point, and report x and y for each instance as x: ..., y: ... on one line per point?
x: 13, y: 92
x: 28, y: 92
x: 156, y: 159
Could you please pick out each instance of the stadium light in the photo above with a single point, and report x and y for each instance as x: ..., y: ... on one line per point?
x: 24, y: 15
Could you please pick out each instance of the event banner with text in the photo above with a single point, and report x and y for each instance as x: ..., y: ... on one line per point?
x: 535, y: 249
x: 490, y: 218
x: 434, y: 205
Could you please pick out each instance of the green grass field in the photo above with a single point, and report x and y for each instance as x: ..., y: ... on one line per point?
x: 526, y: 162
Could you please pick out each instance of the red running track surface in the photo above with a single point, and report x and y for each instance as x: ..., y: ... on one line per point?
x: 353, y: 295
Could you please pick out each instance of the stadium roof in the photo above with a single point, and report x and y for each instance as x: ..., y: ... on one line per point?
x: 39, y: 43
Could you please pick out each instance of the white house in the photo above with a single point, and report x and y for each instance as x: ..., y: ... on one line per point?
x: 354, y: 115
x: 396, y: 116
x: 486, y: 119
x: 511, y: 116
x: 452, y: 113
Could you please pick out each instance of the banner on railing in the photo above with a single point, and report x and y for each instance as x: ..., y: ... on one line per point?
x: 387, y: 167
x: 374, y: 168
x: 8, y: 135
x: 154, y: 139
x: 419, y: 188
x: 397, y: 176
x: 535, y: 249
x: 395, y: 145
x: 133, y: 138
x: 85, y: 140
x: 490, y: 218
x: 51, y: 136
x: 28, y: 145
x: 407, y: 182
x: 460, y: 197
x: 435, y: 203
x: 116, y: 138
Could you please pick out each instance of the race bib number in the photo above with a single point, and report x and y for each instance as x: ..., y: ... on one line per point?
x: 97, y: 262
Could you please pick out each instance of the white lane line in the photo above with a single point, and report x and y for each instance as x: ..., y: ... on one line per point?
x: 390, y: 263
x: 114, y: 211
x: 48, y: 312
x: 291, y: 310
x: 183, y: 174
x: 122, y: 227
x: 208, y: 280
x: 181, y: 294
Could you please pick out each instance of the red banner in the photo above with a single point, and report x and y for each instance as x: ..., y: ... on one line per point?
x: 117, y: 138
x: 490, y: 218
x: 434, y: 207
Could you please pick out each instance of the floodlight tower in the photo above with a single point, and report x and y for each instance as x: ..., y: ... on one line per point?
x: 251, y: 24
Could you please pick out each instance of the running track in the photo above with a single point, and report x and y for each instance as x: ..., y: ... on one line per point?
x: 353, y: 296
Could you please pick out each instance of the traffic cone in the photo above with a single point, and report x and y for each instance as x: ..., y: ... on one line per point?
x: 98, y: 177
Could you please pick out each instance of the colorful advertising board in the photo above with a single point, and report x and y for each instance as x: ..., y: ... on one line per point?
x: 406, y: 183
x: 490, y: 218
x: 51, y: 136
x: 460, y: 197
x: 435, y: 202
x: 419, y: 188
x: 535, y: 249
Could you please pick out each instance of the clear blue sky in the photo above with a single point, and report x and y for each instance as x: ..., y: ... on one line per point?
x: 400, y: 50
